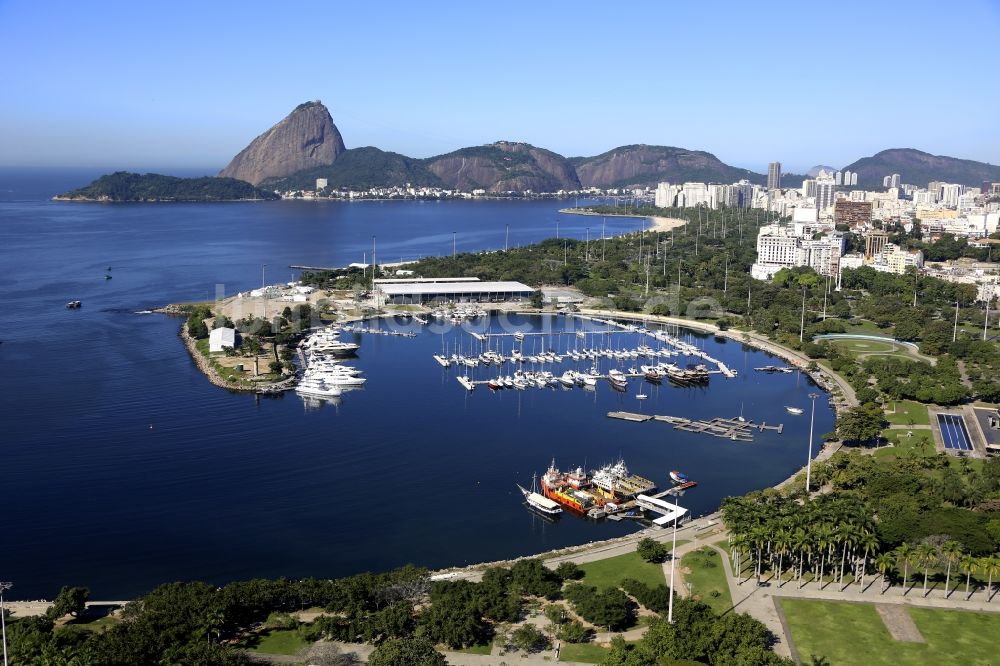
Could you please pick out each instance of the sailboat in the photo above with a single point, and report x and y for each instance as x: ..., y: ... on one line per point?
x: 537, y: 501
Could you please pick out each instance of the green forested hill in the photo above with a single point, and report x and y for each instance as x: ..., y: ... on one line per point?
x: 125, y: 186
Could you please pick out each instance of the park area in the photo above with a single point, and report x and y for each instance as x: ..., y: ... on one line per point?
x: 843, y: 633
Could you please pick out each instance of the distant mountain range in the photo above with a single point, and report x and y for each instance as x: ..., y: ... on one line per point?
x: 306, y: 145
x: 919, y: 168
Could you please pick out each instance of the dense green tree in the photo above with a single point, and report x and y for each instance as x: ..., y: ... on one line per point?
x: 69, y: 601
x: 651, y: 550
x: 406, y: 652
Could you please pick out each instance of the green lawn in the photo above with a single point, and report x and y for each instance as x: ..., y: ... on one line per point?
x: 921, y: 444
x: 865, y: 327
x: 585, y: 652
x: 707, y: 578
x: 853, y: 633
x: 907, y: 412
x: 280, y: 641
x: 612, y: 571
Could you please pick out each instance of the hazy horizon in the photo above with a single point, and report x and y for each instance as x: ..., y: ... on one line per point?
x: 118, y: 86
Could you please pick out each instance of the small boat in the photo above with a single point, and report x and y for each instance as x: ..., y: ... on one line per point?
x: 73, y: 305
x: 678, y: 477
x: 794, y: 410
x: 495, y: 384
x: 107, y: 277
x: 519, y: 336
x: 641, y: 396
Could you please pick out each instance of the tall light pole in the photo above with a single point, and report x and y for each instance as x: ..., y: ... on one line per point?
x: 588, y: 243
x: 506, y: 238
x: 557, y: 228
x: 3, y: 622
x: 262, y: 266
x: 454, y: 243
x: 673, y: 559
x: 954, y: 332
x: 809, y: 460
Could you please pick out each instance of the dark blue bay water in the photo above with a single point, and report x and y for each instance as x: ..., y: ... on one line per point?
x: 122, y: 467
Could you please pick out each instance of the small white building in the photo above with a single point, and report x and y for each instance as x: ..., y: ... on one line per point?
x: 221, y: 337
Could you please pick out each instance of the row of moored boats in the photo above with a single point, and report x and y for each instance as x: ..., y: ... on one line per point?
x: 325, y: 374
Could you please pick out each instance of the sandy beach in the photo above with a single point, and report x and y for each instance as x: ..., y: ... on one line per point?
x: 656, y: 223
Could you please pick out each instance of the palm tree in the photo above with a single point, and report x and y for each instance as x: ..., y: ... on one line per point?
x: 927, y: 555
x: 952, y: 551
x: 884, y: 562
x: 737, y: 544
x: 824, y: 542
x: 782, y: 541
x: 990, y: 565
x: 905, y: 554
x: 759, y: 537
x: 869, y: 544
x: 802, y: 544
x: 848, y: 535
x: 968, y: 564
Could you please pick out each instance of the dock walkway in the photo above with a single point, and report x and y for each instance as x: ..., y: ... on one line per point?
x: 735, y: 429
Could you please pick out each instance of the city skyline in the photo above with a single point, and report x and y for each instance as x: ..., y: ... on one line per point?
x: 121, y: 86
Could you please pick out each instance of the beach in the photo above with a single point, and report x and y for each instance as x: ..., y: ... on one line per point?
x: 657, y: 223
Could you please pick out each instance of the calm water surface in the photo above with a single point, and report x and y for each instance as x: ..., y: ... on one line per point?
x: 122, y: 467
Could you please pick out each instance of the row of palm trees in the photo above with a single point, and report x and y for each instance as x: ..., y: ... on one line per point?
x: 833, y: 539
x: 927, y: 555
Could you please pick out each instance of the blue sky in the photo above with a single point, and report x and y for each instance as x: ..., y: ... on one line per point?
x: 135, y: 84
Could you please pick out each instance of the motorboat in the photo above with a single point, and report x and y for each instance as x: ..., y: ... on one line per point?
x: 678, y: 477
x: 794, y: 410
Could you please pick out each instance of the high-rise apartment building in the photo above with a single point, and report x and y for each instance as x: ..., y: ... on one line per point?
x: 774, y: 176
x: 826, y: 189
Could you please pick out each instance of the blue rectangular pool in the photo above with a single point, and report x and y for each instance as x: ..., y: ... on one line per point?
x: 954, y: 432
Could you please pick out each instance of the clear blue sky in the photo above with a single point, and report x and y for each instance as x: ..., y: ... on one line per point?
x: 137, y: 84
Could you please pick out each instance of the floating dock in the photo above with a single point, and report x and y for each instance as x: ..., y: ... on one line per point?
x: 735, y: 429
x: 630, y: 416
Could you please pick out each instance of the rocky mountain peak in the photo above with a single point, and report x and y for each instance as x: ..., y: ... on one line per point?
x: 306, y: 138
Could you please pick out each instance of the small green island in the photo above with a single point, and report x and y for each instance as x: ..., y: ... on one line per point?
x: 150, y: 187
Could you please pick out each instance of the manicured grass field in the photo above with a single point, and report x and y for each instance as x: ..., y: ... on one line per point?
x: 858, y: 347
x: 280, y: 641
x: 920, y: 444
x: 585, y: 652
x: 907, y: 413
x: 850, y: 633
x: 612, y: 571
x: 707, y: 578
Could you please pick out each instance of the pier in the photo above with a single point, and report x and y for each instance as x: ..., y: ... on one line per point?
x: 630, y: 416
x: 735, y: 429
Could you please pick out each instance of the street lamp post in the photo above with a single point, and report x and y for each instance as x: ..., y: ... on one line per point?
x: 454, y: 243
x: 673, y: 559
x: 262, y: 267
x: 809, y: 461
x: 3, y: 622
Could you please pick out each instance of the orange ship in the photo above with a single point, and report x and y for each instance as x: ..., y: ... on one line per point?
x: 570, y: 489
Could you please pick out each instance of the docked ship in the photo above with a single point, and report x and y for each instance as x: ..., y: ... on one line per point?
x: 618, y: 484
x: 539, y: 502
x: 570, y: 489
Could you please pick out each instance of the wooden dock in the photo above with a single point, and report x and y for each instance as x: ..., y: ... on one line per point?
x: 630, y: 416
x: 734, y: 429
